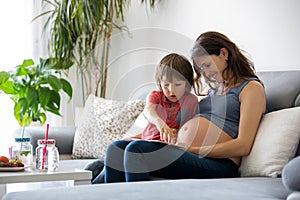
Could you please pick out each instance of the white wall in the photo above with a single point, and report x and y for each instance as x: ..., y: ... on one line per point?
x: 268, y: 30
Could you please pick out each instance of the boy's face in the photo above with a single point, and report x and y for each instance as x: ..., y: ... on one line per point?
x: 173, y: 89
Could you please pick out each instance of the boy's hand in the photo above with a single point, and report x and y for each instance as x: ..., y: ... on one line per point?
x: 168, y: 134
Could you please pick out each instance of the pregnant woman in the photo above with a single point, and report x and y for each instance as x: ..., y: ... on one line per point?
x: 212, y: 143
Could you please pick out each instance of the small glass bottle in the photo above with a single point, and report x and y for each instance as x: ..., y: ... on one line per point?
x: 22, y: 150
x: 47, y: 155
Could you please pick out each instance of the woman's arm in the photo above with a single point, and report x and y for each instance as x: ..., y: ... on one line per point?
x: 253, y: 105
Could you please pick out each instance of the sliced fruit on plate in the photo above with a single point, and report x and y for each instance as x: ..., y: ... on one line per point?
x: 4, y: 159
x: 5, y: 162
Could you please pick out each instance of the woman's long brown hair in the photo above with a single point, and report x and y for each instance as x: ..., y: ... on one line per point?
x: 239, y: 66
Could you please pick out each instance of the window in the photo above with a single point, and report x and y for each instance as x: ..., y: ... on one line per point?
x: 16, y: 44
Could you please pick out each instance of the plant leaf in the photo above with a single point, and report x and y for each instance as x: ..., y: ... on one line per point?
x: 27, y: 63
x: 67, y: 88
x: 4, y: 76
x: 31, y: 95
x: 42, y: 118
x: 44, y: 95
x: 20, y: 111
x: 54, y: 103
x: 8, y: 87
x: 54, y: 82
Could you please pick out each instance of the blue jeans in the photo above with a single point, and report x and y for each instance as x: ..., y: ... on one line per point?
x: 140, y: 160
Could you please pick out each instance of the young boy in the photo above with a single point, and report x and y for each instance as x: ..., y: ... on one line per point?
x: 168, y: 108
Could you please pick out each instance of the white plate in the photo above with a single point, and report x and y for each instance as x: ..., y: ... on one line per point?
x: 11, y: 169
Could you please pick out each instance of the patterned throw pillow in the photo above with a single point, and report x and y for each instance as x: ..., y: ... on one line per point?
x: 102, y: 122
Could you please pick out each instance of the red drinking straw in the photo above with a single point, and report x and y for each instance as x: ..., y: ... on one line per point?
x: 47, y: 131
x: 45, y: 148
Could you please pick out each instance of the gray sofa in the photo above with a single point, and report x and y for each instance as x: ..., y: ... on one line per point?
x: 283, y: 91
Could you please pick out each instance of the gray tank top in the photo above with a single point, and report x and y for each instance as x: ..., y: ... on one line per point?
x: 224, y: 110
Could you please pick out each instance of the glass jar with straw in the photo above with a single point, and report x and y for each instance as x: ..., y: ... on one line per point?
x: 47, y: 155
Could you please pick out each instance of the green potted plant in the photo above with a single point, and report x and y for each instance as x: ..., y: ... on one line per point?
x: 80, y: 33
x: 35, y: 89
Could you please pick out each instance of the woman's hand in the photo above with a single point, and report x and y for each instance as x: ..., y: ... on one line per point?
x: 200, y: 151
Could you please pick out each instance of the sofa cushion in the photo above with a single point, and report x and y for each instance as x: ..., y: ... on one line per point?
x: 291, y: 175
x: 282, y: 88
x: 63, y: 137
x: 138, y: 126
x: 103, y: 121
x: 275, y: 144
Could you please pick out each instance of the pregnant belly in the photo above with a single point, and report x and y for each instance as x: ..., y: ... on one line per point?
x: 200, y: 131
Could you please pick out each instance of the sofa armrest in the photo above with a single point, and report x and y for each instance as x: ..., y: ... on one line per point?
x: 64, y: 137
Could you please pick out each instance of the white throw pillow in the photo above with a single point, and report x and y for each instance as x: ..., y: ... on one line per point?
x: 138, y: 126
x: 275, y: 144
x: 103, y: 121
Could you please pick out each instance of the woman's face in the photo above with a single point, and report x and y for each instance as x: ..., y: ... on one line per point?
x: 174, y: 89
x: 212, y: 66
